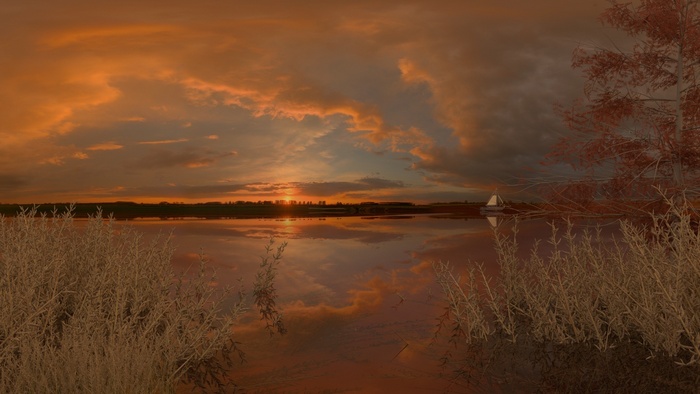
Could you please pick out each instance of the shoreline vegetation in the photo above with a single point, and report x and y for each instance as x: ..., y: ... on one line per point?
x: 587, y: 316
x: 97, y: 309
x: 585, y: 313
x: 123, y: 210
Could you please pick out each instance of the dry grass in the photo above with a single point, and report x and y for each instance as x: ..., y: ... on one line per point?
x: 97, y: 310
x: 637, y: 296
x: 264, y: 289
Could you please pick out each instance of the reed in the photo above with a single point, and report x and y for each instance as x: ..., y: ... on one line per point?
x: 98, y: 309
x: 638, y: 291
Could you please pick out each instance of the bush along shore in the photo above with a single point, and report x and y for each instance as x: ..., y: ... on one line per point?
x: 97, y: 310
x: 595, y: 315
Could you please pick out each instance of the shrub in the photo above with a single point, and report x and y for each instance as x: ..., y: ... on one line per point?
x: 589, y: 299
x: 99, y: 310
x: 264, y: 289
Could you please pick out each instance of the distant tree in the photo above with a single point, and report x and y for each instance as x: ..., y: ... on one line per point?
x: 637, y: 128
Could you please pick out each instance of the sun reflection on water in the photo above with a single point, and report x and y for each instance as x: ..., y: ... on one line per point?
x: 358, y: 296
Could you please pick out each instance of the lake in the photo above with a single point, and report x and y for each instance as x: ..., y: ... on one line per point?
x: 358, y: 295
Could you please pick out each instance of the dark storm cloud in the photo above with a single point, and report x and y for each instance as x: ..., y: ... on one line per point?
x: 498, y: 95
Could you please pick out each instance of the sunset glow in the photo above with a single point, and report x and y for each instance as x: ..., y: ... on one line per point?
x: 225, y: 101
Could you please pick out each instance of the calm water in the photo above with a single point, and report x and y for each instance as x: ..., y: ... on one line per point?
x: 358, y: 295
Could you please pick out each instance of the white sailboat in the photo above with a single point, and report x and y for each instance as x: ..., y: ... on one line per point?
x: 494, y: 205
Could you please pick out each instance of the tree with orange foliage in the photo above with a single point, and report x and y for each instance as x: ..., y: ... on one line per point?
x: 637, y: 127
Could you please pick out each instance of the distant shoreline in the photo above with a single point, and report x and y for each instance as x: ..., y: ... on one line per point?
x: 130, y: 210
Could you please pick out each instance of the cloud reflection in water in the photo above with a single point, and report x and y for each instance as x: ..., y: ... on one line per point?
x: 358, y: 295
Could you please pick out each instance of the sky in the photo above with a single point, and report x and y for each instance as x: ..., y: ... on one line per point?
x: 183, y: 101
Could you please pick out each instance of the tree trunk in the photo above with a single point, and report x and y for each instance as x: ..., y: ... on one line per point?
x: 678, y: 181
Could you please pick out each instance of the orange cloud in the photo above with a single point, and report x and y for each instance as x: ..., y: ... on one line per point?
x: 163, y: 142
x: 412, y: 73
x: 477, y: 69
x: 98, y: 35
x: 105, y: 146
x: 42, y: 94
x: 199, y: 164
x: 78, y: 81
x: 295, y: 100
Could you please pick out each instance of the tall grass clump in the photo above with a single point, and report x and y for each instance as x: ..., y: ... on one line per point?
x: 264, y: 290
x: 590, y: 302
x: 99, y: 310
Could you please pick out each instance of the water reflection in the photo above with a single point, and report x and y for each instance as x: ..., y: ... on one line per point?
x: 360, y: 304
x: 361, y: 307
x: 358, y: 295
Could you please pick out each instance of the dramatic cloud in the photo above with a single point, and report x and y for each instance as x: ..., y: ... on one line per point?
x: 438, y: 100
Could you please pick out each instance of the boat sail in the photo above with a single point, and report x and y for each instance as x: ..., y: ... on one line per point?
x: 494, y: 205
x: 494, y: 220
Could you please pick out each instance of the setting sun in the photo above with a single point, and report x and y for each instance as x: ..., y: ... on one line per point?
x: 363, y: 103
x: 335, y: 186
